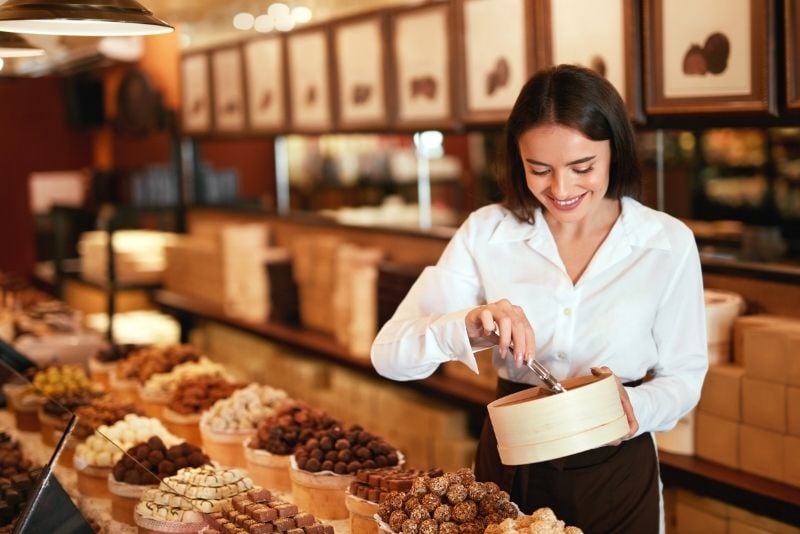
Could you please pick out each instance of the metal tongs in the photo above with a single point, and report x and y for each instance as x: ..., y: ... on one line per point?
x: 540, y: 371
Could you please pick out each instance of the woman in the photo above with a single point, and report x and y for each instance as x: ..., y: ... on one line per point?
x: 580, y: 276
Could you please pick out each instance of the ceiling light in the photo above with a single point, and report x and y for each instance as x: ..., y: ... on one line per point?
x: 264, y: 23
x: 243, y: 21
x: 284, y: 23
x: 83, y: 18
x: 12, y: 45
x: 301, y: 14
x: 278, y: 10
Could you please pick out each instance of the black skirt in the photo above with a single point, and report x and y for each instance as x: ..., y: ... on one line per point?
x: 603, y: 490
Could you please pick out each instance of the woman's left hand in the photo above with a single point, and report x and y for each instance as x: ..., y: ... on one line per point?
x: 633, y: 424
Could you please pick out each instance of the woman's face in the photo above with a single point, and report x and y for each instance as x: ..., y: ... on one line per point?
x: 566, y: 171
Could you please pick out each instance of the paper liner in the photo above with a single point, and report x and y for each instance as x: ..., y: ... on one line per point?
x: 226, y: 437
x: 401, y: 460
x: 129, y: 491
x: 160, y: 397
x: 160, y: 525
x: 362, y: 512
x: 84, y: 467
x: 181, y: 419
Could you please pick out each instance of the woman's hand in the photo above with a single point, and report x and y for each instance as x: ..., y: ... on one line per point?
x: 515, y: 331
x: 627, y: 407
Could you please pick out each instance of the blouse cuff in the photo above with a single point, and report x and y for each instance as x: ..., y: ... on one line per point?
x: 451, y: 334
x: 639, y: 401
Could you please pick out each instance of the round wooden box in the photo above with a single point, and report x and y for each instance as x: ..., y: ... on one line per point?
x: 536, y: 425
x: 225, y: 447
x: 362, y: 512
x: 152, y: 405
x: 51, y: 428
x: 186, y: 427
x: 92, y: 480
x: 268, y: 470
x: 322, y: 495
x: 101, y: 372
x: 124, y: 498
x: 24, y: 405
x: 123, y: 390
x: 148, y: 525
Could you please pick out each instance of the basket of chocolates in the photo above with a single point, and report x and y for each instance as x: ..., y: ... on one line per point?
x: 453, y: 503
x: 143, y: 363
x: 371, y: 487
x: 15, y: 491
x: 191, y: 397
x: 142, y: 467
x: 268, y: 451
x: 231, y: 421
x: 325, y: 465
x: 258, y: 512
x: 157, y: 391
x: 103, y: 363
x: 542, y: 520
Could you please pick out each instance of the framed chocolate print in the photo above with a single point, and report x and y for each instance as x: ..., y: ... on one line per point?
x: 599, y: 34
x: 422, y: 54
x: 265, y: 83
x: 496, y: 55
x: 309, y: 80
x: 196, y: 93
x: 792, y: 33
x: 713, y: 56
x: 360, y: 72
x: 228, y: 90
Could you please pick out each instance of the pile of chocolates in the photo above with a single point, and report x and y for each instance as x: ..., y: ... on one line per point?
x: 196, y: 395
x: 143, y: 363
x: 62, y: 380
x: 101, y: 411
x: 116, y: 352
x: 257, y: 512
x: 62, y: 406
x: 344, y: 451
x: 543, y: 520
x: 12, y: 461
x: 290, y: 426
x: 453, y: 503
x: 154, y: 458
x: 374, y: 484
x: 14, y: 493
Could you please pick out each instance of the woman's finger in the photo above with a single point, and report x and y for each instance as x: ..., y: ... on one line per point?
x: 504, y: 325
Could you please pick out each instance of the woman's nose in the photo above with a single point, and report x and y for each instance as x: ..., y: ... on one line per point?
x: 559, y: 186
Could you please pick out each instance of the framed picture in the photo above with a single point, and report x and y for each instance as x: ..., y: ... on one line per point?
x: 713, y: 56
x: 495, y: 47
x: 421, y: 45
x: 792, y: 17
x: 265, y: 84
x: 196, y: 97
x: 309, y: 80
x: 359, y: 53
x: 230, y: 112
x: 599, y: 34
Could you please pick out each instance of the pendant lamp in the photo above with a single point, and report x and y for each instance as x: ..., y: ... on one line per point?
x: 82, y: 18
x: 12, y: 45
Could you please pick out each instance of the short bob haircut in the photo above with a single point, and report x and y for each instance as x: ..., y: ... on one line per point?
x: 577, y: 98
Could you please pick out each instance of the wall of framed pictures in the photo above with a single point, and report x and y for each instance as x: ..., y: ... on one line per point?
x: 453, y: 64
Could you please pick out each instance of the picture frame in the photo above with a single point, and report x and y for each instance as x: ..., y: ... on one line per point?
x: 308, y: 62
x: 360, y: 73
x: 196, y: 108
x: 265, y: 82
x: 792, y: 41
x: 710, y: 57
x: 228, y: 90
x: 599, y: 34
x: 495, y: 46
x: 422, y: 56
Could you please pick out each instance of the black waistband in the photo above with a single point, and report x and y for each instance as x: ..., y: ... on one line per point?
x: 507, y: 387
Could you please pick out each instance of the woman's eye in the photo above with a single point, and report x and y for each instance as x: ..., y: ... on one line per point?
x: 540, y: 173
x: 585, y: 170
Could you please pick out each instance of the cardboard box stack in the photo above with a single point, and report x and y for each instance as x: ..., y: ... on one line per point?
x: 689, y: 513
x: 748, y: 417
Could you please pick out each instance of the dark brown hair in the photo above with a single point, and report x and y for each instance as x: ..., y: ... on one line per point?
x: 577, y: 98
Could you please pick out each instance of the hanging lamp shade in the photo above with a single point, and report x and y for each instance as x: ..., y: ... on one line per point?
x: 12, y: 45
x: 82, y: 18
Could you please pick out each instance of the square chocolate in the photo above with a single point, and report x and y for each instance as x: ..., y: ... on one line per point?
x: 327, y: 529
x: 304, y: 519
x: 259, y: 495
x: 261, y: 528
x: 264, y: 514
x: 296, y: 531
x: 287, y: 510
x: 240, y: 502
x: 316, y: 528
x: 283, y: 524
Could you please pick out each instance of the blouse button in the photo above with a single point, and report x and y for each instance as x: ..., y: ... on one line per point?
x: 567, y: 311
x: 561, y: 356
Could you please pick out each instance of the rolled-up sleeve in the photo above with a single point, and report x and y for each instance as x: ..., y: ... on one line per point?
x: 428, y: 327
x: 679, y: 332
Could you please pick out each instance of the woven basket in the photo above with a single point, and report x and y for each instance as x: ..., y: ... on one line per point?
x: 535, y: 425
x: 148, y: 525
x: 362, y: 514
x: 186, y: 427
x: 225, y: 447
x: 268, y: 470
x: 51, y: 428
x: 124, y: 498
x: 322, y: 495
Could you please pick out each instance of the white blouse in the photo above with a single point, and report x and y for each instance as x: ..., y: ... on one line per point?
x: 638, y: 307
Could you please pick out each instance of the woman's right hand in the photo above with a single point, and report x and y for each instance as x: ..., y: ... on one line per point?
x: 516, y: 332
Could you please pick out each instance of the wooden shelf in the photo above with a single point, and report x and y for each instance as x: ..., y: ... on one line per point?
x: 757, y: 494
x: 322, y: 345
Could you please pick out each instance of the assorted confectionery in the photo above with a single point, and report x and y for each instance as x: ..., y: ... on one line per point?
x: 18, y: 478
x: 344, y: 451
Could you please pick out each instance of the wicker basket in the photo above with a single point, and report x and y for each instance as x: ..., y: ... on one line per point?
x: 535, y: 425
x: 26, y: 416
x: 362, y: 512
x: 152, y: 405
x: 51, y: 428
x: 147, y: 525
x: 124, y: 498
x: 322, y: 495
x: 186, y: 427
x: 268, y: 470
x: 225, y: 447
x: 92, y: 480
